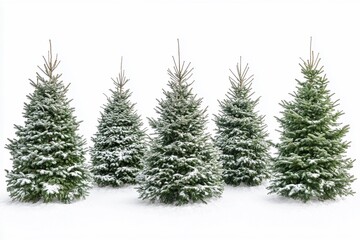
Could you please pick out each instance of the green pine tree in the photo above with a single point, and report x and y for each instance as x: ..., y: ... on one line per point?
x: 182, y: 165
x: 48, y: 155
x: 241, y: 135
x: 119, y: 144
x: 311, y: 161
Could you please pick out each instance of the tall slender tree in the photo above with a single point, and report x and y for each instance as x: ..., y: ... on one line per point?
x: 48, y: 154
x: 119, y: 144
x: 182, y: 165
x: 311, y: 161
x: 240, y: 133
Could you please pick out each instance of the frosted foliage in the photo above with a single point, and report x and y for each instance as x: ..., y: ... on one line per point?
x: 47, y: 151
x: 51, y: 188
x: 240, y: 134
x: 119, y: 144
x: 182, y: 165
x: 311, y: 161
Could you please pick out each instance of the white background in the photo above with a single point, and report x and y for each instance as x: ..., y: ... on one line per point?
x: 90, y: 38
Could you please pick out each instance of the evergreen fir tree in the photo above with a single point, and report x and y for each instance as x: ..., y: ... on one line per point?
x: 241, y: 135
x: 182, y: 165
x: 119, y: 144
x: 311, y: 162
x: 48, y: 155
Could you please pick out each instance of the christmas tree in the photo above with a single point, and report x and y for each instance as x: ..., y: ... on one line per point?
x: 119, y: 144
x: 48, y: 155
x: 311, y: 161
x: 182, y: 165
x: 241, y: 135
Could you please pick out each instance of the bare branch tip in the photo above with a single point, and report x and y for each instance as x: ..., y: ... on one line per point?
x: 178, y: 42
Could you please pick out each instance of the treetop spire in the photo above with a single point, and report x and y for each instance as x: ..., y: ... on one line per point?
x: 313, y: 61
x: 181, y: 73
x: 178, y: 42
x: 311, y: 52
x: 121, y: 79
x: 50, y: 65
x: 241, y: 73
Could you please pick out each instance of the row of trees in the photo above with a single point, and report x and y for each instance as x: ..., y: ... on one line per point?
x: 180, y: 163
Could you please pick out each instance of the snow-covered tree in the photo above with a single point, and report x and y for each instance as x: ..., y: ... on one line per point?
x: 48, y: 155
x: 119, y: 144
x: 182, y: 165
x: 241, y: 135
x: 311, y: 161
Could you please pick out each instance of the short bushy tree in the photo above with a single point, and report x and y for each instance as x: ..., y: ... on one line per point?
x: 311, y: 162
x: 182, y: 165
x: 119, y: 144
x: 241, y: 135
x: 48, y: 155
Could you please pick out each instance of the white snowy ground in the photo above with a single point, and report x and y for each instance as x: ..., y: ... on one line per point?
x: 242, y: 213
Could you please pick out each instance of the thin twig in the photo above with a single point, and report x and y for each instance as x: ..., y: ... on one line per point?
x: 178, y: 52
